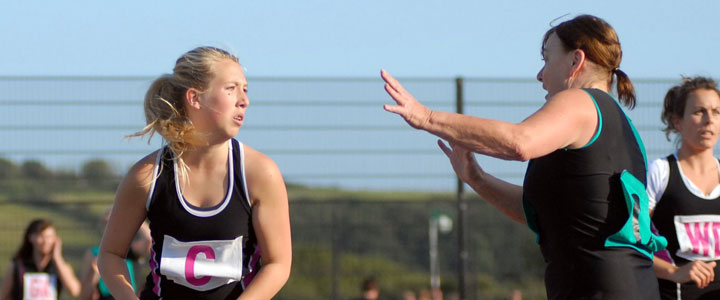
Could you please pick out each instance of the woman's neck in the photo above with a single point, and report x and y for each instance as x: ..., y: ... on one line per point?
x: 589, y: 77
x: 590, y: 83
x: 695, y: 159
x: 207, y: 156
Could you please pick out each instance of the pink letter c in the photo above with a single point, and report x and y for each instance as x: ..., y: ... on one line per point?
x: 190, y: 264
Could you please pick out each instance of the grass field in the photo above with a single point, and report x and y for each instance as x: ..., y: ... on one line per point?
x: 339, y: 237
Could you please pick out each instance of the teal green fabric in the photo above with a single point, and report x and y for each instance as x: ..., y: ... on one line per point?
x: 636, y: 232
x: 531, y: 218
x: 639, y: 141
x: 101, y: 285
x: 599, y: 113
x: 627, y: 236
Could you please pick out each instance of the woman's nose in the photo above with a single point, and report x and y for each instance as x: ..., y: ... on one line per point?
x: 539, y: 74
x: 243, y: 100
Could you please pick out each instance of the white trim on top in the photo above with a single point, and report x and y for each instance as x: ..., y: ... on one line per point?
x: 156, y: 170
x: 228, y: 193
x: 242, y: 172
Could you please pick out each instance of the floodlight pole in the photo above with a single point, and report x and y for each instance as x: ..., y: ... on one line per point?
x: 433, y: 241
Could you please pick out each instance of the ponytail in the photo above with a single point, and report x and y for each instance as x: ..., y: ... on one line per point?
x: 165, y: 115
x: 625, y: 89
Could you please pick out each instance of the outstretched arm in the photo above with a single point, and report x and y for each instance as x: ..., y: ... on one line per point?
x: 505, y: 196
x: 271, y: 221
x: 569, y: 120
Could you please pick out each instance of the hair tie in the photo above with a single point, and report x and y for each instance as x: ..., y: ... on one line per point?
x: 615, y: 70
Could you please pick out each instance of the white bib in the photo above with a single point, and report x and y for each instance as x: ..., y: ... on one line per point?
x: 39, y: 286
x: 698, y: 237
x: 202, y: 265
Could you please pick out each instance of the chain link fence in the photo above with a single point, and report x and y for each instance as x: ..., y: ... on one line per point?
x: 363, y: 185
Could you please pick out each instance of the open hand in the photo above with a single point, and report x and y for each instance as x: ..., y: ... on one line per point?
x: 463, y: 162
x: 414, y: 113
x: 57, y: 249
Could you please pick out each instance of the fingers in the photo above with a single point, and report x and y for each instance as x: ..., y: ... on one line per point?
x: 470, y: 157
x: 392, y: 108
x: 707, y: 271
x: 393, y: 93
x: 392, y: 83
x: 701, y: 279
x: 701, y: 273
x: 445, y: 149
x: 698, y: 280
x: 710, y: 268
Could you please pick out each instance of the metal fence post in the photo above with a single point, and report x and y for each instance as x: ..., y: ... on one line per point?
x: 461, y: 207
x: 335, y: 259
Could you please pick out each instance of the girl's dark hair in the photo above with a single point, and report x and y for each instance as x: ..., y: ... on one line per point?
x: 26, y: 248
x: 676, y: 99
x: 601, y: 45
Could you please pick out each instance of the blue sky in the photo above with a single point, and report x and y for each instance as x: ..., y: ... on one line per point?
x: 313, y: 38
x: 661, y: 39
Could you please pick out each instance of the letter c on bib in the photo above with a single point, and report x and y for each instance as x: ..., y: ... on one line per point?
x: 190, y: 264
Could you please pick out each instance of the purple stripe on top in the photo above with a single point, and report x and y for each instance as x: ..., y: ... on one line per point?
x: 154, y: 270
x: 253, y: 266
x: 663, y: 254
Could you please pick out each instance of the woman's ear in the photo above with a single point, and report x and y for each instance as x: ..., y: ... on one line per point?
x: 677, y: 123
x: 192, y: 98
x: 578, y: 60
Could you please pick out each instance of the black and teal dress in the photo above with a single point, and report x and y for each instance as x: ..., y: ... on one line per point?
x: 589, y: 209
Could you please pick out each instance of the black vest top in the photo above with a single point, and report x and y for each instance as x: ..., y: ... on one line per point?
x: 576, y: 193
x: 679, y: 201
x: 20, y: 267
x: 171, y: 216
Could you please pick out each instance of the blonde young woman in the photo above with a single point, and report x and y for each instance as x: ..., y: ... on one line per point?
x: 584, y: 189
x: 217, y: 208
x: 684, y: 192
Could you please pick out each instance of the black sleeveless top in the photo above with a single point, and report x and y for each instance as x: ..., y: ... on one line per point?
x: 698, y: 221
x: 200, y: 253
x: 23, y: 267
x: 574, y: 201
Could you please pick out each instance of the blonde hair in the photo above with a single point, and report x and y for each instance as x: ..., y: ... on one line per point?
x: 165, y: 112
